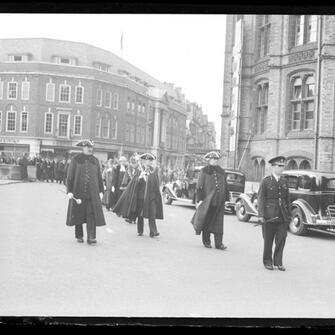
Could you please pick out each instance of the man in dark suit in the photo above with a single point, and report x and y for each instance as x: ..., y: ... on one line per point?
x: 274, y: 213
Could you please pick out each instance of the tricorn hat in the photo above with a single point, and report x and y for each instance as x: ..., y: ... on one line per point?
x: 212, y: 154
x: 148, y: 156
x: 278, y: 160
x: 85, y: 143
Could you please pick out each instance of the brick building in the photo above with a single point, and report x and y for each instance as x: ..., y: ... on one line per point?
x: 279, y: 92
x: 201, y: 134
x: 53, y: 93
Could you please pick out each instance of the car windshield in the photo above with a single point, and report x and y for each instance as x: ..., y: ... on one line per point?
x: 234, y: 178
x: 329, y: 183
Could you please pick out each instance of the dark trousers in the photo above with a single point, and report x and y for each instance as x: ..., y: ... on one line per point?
x: 152, y: 225
x: 206, y: 238
x: 90, y: 224
x: 140, y: 219
x: 277, y: 232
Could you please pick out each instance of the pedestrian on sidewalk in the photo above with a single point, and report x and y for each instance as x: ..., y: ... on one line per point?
x: 274, y: 213
x: 142, y: 198
x: 212, y: 193
x: 84, y: 182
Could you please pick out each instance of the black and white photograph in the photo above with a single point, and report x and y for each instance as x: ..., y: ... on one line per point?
x: 167, y: 165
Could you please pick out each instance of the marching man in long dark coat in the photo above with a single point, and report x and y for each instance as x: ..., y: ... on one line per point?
x: 212, y: 193
x: 142, y: 197
x: 274, y: 213
x: 85, y: 190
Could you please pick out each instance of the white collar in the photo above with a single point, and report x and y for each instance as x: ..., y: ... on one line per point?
x: 276, y: 177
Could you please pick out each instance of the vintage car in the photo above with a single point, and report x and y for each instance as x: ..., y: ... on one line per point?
x: 185, y: 190
x: 312, y: 206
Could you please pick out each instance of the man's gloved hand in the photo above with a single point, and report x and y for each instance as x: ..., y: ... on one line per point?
x: 70, y: 195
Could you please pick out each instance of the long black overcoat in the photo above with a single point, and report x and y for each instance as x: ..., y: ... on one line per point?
x: 84, y: 167
x: 126, y: 205
x: 206, y: 188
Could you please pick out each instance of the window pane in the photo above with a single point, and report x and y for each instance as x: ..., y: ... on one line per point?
x: 99, y: 97
x: 299, y: 30
x: 310, y: 87
x: 297, y: 89
x: 265, y: 94
x: 1, y: 89
x: 311, y: 28
x: 116, y: 101
x: 12, y: 90
x: 25, y: 90
x: 48, y: 123
x: 50, y: 96
x: 64, y: 93
x: 11, y: 121
x: 107, y: 99
x: 296, y: 113
x: 24, y: 121
x: 79, y: 94
x: 77, y: 125
x: 97, y: 127
x: 63, y: 124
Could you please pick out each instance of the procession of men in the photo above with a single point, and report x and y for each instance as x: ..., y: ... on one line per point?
x: 133, y: 193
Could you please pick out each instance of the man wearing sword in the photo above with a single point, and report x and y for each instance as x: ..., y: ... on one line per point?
x: 274, y: 213
x: 85, y: 190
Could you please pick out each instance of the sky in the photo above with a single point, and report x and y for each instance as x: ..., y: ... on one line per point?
x: 187, y: 50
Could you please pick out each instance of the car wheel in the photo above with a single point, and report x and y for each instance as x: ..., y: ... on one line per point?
x: 241, y: 212
x: 296, y: 225
x: 166, y: 197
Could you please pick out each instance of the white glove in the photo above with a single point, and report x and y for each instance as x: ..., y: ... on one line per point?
x: 113, y: 189
x: 70, y: 195
x: 101, y: 195
x: 199, y: 203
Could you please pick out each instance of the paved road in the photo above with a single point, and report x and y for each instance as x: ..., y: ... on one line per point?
x: 45, y: 272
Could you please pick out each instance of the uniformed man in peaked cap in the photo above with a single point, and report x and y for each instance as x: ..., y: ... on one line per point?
x: 84, y: 183
x: 274, y: 213
x: 212, y: 193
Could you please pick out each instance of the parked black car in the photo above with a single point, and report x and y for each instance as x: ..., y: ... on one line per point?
x: 312, y: 206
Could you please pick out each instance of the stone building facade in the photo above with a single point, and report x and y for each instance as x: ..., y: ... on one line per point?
x: 286, y: 92
x: 54, y: 93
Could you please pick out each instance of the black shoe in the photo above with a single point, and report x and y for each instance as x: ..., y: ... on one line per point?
x: 156, y: 234
x: 207, y: 245
x: 280, y: 267
x: 93, y: 241
x: 221, y: 247
x: 80, y: 240
x: 140, y: 234
x: 151, y: 234
x: 268, y: 266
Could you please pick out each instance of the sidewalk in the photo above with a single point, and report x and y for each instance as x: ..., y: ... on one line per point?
x: 9, y: 181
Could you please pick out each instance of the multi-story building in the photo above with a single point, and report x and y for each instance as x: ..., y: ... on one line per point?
x: 53, y: 93
x: 279, y: 92
x: 200, y: 132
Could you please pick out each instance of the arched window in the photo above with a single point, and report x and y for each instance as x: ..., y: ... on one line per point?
x: 302, y: 103
x: 292, y: 165
x: 256, y: 169
x: 305, y: 165
x: 262, y: 107
x: 262, y: 169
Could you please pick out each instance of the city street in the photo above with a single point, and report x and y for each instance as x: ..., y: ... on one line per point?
x: 45, y: 272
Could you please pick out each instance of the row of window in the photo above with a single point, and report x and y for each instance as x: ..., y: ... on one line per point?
x: 303, y: 29
x: 301, y: 104
x: 108, y: 100
x: 13, y: 89
x: 106, y: 128
x: 10, y: 119
x: 141, y: 108
x: 259, y: 167
x: 64, y: 95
